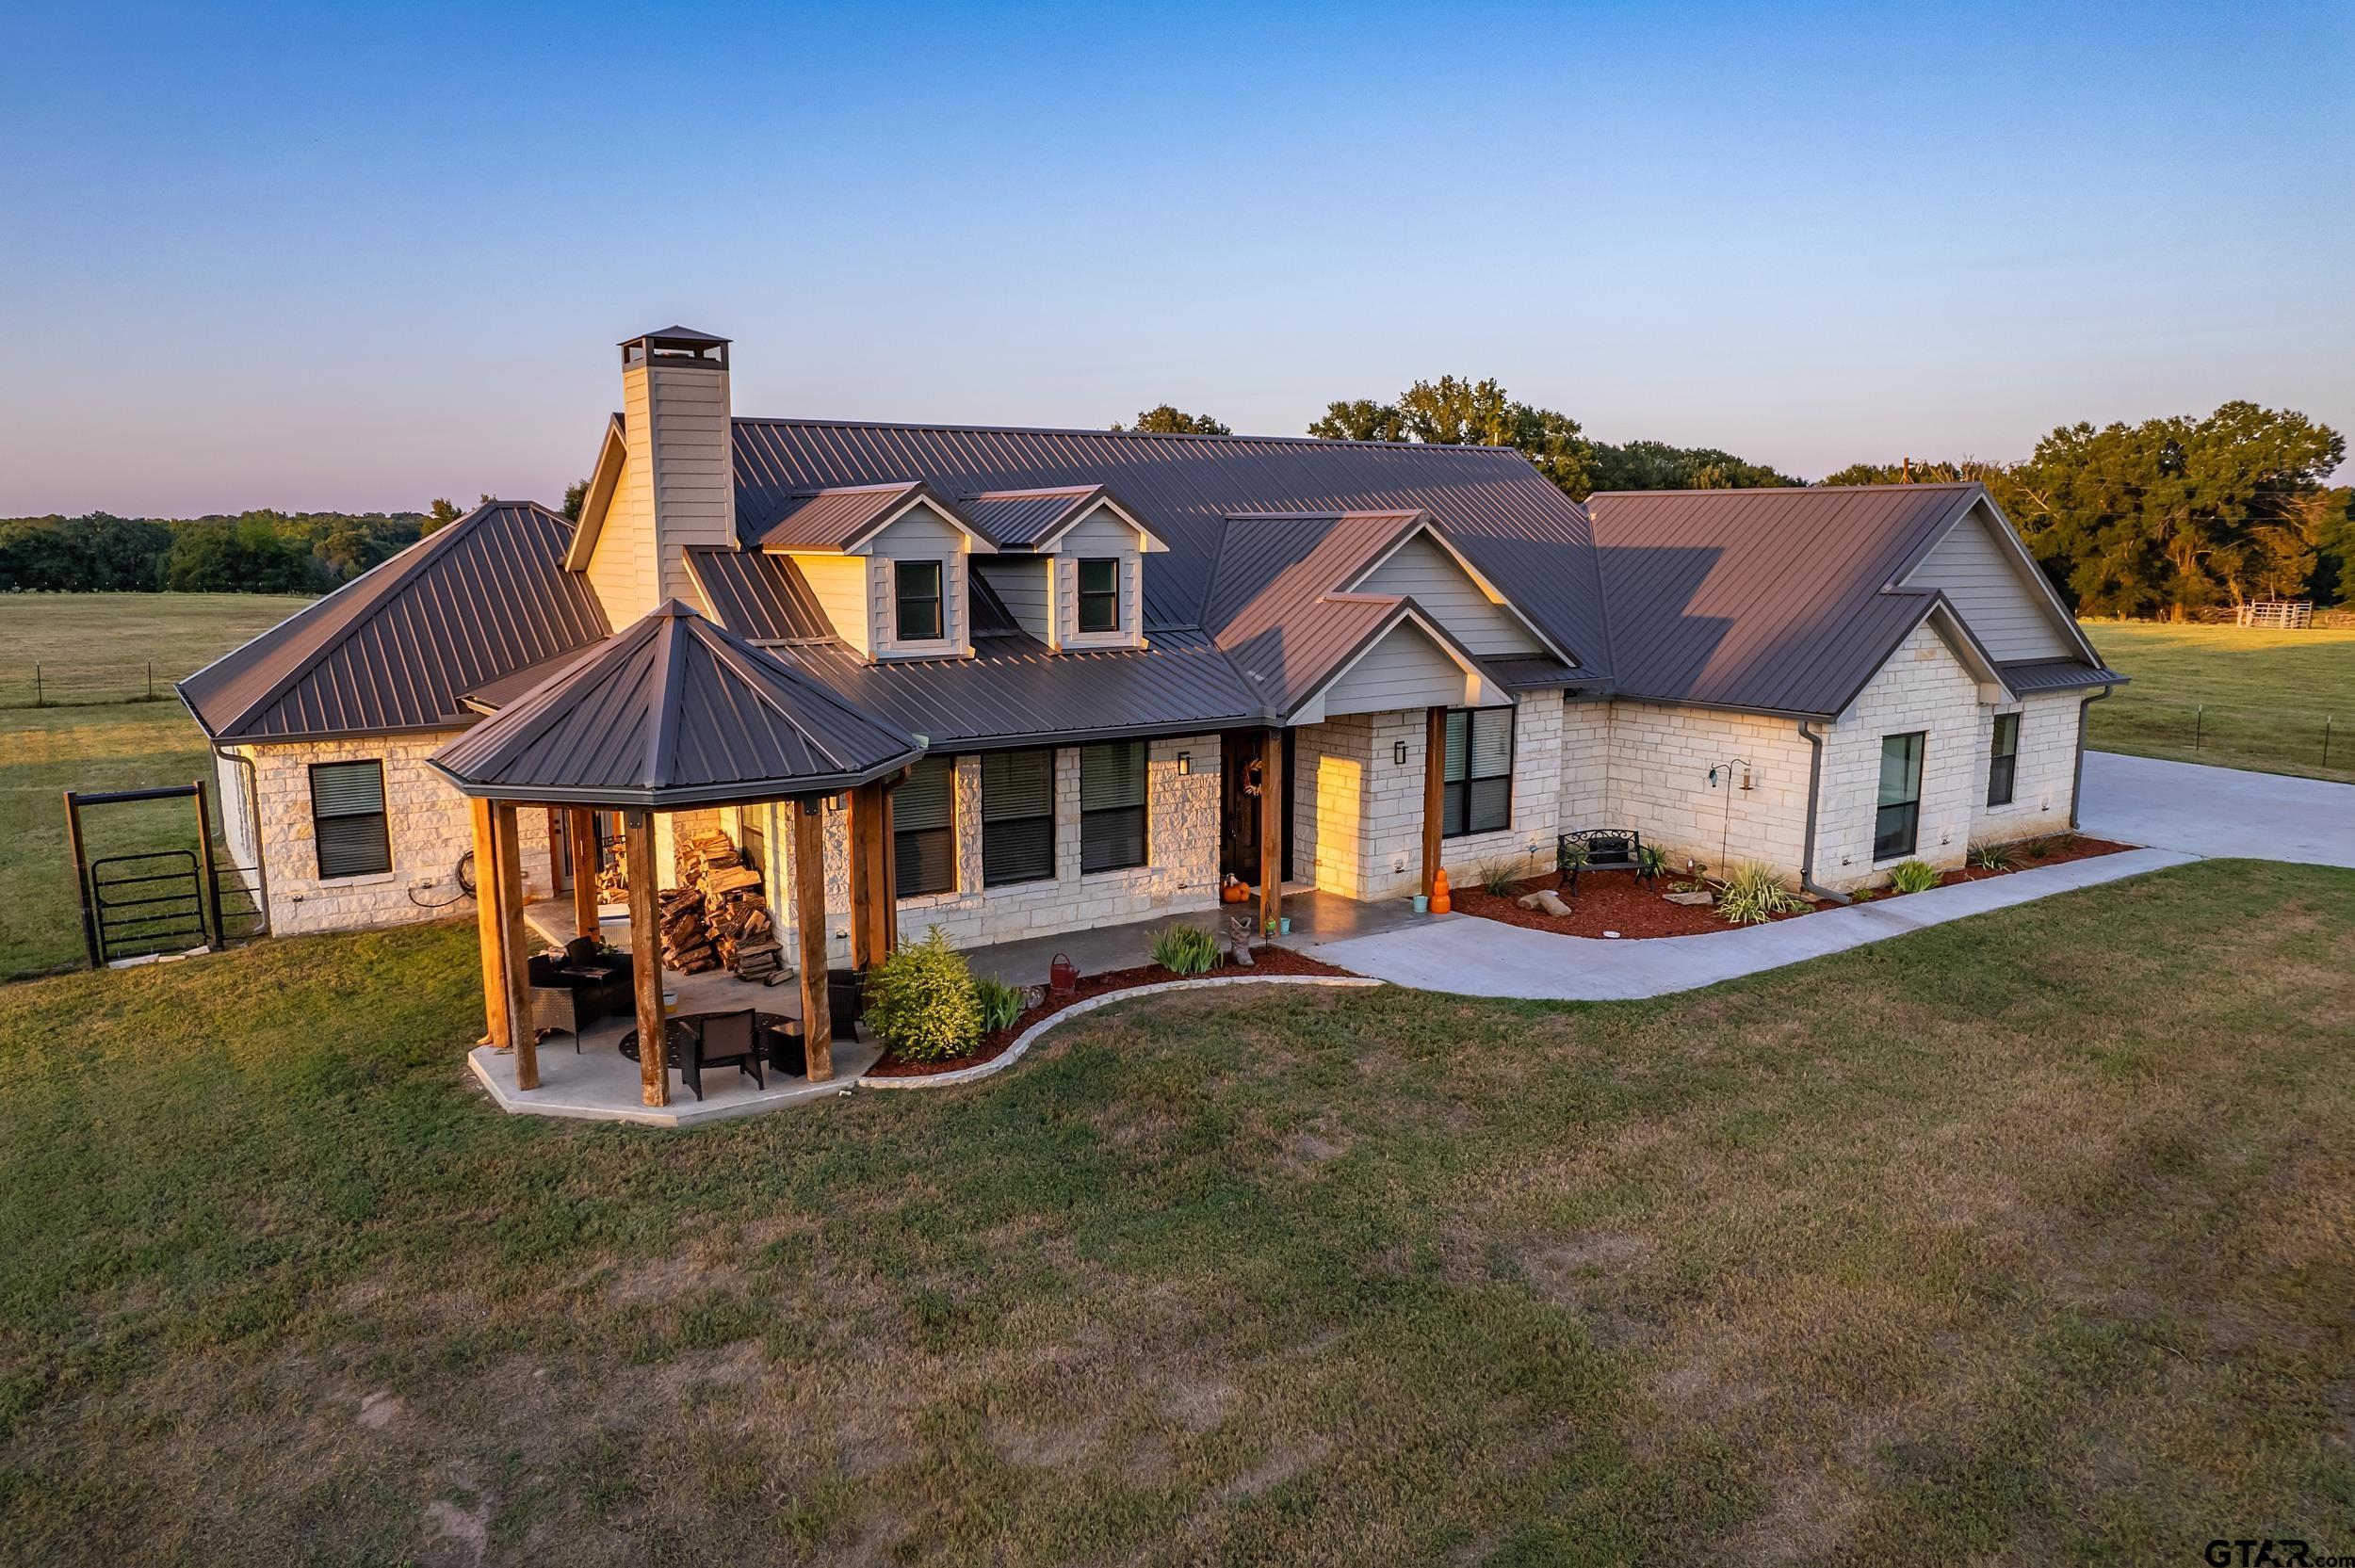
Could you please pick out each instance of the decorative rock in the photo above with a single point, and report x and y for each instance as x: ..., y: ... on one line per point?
x: 1544, y: 898
x: 1691, y: 900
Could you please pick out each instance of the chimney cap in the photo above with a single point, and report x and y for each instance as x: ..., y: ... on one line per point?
x: 674, y: 334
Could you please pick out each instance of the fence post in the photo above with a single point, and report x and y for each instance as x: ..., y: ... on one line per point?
x: 37, y: 697
x: 2198, y: 724
x: 2326, y: 739
x: 151, y: 680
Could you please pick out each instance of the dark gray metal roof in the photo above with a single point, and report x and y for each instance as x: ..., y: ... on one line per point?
x: 1019, y: 519
x: 1013, y: 692
x: 1509, y: 520
x: 400, y: 646
x: 2030, y: 676
x: 760, y: 597
x: 829, y: 519
x: 1524, y: 672
x: 677, y: 334
x: 1774, y: 600
x: 675, y: 711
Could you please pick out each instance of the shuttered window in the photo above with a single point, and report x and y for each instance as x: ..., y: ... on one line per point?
x: 347, y: 819
x: 924, y: 829
x: 1476, y: 788
x: 2003, y: 762
x: 1111, y: 805
x: 1017, y: 817
x: 917, y: 586
x: 1897, y: 824
x: 1099, y: 594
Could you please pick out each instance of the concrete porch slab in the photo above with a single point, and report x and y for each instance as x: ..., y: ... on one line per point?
x: 601, y: 1085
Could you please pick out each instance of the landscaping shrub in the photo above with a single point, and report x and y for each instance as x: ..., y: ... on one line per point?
x: 1001, y: 1004
x: 1496, y: 875
x: 1991, y: 857
x: 921, y: 1001
x: 1913, y: 876
x: 1651, y: 861
x: 1185, y: 949
x: 1754, y: 895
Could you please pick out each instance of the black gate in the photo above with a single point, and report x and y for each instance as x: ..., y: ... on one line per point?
x: 148, y: 903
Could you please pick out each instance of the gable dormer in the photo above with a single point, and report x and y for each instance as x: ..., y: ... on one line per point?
x: 889, y: 564
x: 1424, y: 567
x: 1070, y: 564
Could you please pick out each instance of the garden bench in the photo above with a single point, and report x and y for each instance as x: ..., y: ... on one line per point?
x: 1597, y: 849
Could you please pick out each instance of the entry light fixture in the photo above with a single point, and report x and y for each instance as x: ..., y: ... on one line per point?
x: 1398, y: 753
x: 1185, y: 763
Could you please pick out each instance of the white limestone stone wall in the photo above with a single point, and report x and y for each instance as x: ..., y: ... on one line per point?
x: 1654, y: 778
x: 1180, y: 872
x: 427, y: 822
x: 1922, y: 687
x: 1585, y: 766
x: 1358, y: 809
x: 2044, y: 776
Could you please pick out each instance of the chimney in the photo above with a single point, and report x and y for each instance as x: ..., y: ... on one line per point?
x: 680, y: 474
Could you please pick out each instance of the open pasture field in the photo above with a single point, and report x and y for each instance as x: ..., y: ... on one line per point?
x: 2266, y: 695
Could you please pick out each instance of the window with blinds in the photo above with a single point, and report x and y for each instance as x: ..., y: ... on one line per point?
x: 1476, y: 783
x: 916, y: 613
x: 1099, y: 593
x: 2003, y: 762
x: 1017, y: 817
x: 1111, y: 805
x: 924, y: 829
x: 347, y: 820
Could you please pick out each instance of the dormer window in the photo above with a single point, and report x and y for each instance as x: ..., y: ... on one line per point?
x: 1099, y: 593
x: 916, y: 586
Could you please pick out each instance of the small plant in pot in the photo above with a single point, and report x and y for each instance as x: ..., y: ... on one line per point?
x: 921, y: 1001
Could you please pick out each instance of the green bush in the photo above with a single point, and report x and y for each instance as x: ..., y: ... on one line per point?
x: 921, y: 1001
x: 1991, y: 857
x: 1185, y: 949
x: 1651, y: 861
x: 1913, y: 876
x: 1001, y: 1004
x: 1496, y: 875
x: 1754, y: 895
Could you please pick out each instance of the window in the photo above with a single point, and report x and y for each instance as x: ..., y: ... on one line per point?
x: 1476, y: 789
x: 924, y: 829
x: 2003, y: 762
x: 347, y: 820
x: 1111, y: 805
x: 1899, y: 822
x: 1099, y: 594
x: 915, y: 587
x: 1017, y: 817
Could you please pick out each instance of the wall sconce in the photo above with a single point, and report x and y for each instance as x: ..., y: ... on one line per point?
x: 1185, y: 763
x: 834, y: 802
x: 1398, y: 753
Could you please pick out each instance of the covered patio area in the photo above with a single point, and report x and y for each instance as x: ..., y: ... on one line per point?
x: 672, y: 712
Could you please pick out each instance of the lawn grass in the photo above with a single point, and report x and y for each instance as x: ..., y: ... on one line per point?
x: 113, y: 745
x: 2030, y: 1237
x: 2264, y: 695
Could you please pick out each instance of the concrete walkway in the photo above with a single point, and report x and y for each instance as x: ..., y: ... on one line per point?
x: 2219, y: 811
x: 1488, y: 958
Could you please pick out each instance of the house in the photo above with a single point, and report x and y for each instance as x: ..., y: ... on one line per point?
x: 1090, y: 674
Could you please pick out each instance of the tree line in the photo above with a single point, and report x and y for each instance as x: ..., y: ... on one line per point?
x: 252, y: 552
x: 2154, y: 520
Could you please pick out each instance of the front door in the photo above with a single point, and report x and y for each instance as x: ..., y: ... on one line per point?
x: 1238, y: 778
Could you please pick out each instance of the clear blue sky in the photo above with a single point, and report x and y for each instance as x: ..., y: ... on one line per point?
x: 328, y: 259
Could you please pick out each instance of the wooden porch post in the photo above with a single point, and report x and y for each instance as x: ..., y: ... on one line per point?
x: 490, y: 927
x: 809, y: 918
x: 874, y: 912
x: 580, y: 836
x: 645, y: 959
x: 1270, y: 828
x: 520, y: 1036
x: 1434, y: 793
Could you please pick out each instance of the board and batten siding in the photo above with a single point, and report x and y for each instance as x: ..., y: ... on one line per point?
x: 1098, y: 534
x: 918, y: 534
x: 1405, y: 670
x: 1423, y: 572
x: 1979, y: 574
x: 1020, y: 583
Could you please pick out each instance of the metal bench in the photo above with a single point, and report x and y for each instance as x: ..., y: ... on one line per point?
x: 1597, y: 850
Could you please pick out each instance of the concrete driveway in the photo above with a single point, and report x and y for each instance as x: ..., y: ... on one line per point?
x: 2218, y: 811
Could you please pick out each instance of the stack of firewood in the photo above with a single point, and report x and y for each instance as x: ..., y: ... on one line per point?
x: 717, y: 916
x: 614, y: 876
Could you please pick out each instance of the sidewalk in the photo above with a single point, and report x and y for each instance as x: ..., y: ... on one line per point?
x: 1487, y: 958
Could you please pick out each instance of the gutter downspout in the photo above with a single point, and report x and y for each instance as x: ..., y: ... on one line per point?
x: 1814, y: 788
x: 252, y: 810
x: 2077, y: 774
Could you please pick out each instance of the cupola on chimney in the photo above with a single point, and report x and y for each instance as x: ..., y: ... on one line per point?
x: 676, y: 428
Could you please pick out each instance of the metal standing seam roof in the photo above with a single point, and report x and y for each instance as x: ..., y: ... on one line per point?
x: 831, y: 519
x: 2029, y: 676
x: 675, y: 711
x: 1773, y: 601
x: 398, y: 647
x: 1020, y: 518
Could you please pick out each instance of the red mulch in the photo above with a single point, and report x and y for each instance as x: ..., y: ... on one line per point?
x: 1606, y: 902
x: 1616, y: 901
x: 1266, y: 961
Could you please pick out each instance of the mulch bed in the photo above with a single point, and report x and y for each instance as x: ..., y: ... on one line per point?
x: 1616, y: 901
x: 1606, y: 902
x: 1266, y: 961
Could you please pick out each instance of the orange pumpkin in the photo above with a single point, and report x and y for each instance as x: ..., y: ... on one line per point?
x: 1440, y: 903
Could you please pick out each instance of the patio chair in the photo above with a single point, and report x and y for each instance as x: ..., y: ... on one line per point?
x: 720, y: 1040
x: 581, y: 988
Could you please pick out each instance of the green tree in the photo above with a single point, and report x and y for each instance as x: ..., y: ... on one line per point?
x: 576, y: 497
x: 1657, y: 465
x: 1455, y: 412
x: 1168, y: 419
x: 246, y: 556
x: 441, y: 514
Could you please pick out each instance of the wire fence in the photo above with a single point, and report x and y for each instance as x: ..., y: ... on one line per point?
x: 2292, y: 741
x: 66, y: 686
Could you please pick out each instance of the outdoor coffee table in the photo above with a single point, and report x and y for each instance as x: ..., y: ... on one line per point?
x: 771, y: 1024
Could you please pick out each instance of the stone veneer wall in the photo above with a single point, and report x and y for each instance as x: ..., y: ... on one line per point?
x: 1655, y: 779
x: 428, y: 823
x: 1922, y: 687
x: 2043, y: 777
x: 1180, y: 872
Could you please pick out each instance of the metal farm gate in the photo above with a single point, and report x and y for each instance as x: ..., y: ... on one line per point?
x: 159, y: 901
